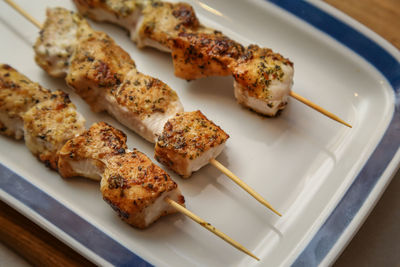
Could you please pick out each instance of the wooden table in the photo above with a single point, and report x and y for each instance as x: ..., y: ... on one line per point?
x: 383, y: 16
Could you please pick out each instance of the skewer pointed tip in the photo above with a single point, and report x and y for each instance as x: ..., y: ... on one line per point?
x: 348, y: 125
x: 275, y: 211
x: 318, y: 108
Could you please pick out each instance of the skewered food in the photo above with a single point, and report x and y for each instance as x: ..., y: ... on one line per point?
x: 109, y: 79
x: 86, y: 155
x: 45, y: 119
x: 136, y: 188
x: 130, y: 183
x: 54, y: 131
x: 17, y: 95
x: 189, y: 141
x: 263, y: 79
x: 56, y: 44
x: 104, y: 75
x: 49, y: 124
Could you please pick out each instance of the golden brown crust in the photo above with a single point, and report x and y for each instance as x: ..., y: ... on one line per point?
x: 144, y: 95
x: 187, y: 136
x: 17, y: 95
x: 97, y: 64
x: 197, y: 55
x: 49, y: 125
x: 98, y: 143
x: 197, y: 51
x: 163, y: 21
x: 55, y: 45
x: 116, y: 7
x: 257, y: 68
x: 131, y: 183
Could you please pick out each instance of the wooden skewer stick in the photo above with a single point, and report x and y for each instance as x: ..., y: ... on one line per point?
x: 318, y: 108
x: 243, y: 185
x: 24, y: 13
x: 209, y: 227
x: 213, y: 161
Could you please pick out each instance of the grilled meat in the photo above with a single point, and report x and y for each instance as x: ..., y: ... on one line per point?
x: 263, y: 80
x: 189, y: 141
x: 135, y: 188
x: 49, y: 124
x: 17, y: 95
x: 54, y: 131
x: 105, y: 76
x: 57, y: 40
x: 87, y: 154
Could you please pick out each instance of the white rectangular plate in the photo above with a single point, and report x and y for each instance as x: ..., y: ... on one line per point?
x: 323, y: 176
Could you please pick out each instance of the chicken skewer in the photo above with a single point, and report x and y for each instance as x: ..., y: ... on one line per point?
x: 140, y: 191
x: 262, y: 78
x: 93, y: 64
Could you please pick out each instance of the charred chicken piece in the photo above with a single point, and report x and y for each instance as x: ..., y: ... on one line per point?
x: 49, y: 124
x: 189, y: 141
x: 17, y: 95
x: 124, y: 13
x: 57, y: 40
x: 263, y: 80
x: 135, y: 188
x: 87, y: 154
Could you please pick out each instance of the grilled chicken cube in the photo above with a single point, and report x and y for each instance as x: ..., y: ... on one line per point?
x: 144, y: 104
x: 161, y: 22
x: 197, y: 55
x: 17, y: 95
x: 135, y: 188
x: 49, y: 124
x: 97, y: 67
x: 263, y: 80
x: 86, y: 155
x: 57, y: 40
x: 124, y: 13
x: 189, y: 141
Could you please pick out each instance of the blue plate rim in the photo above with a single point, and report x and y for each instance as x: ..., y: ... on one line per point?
x: 325, y: 238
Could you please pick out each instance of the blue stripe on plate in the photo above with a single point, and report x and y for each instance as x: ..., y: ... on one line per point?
x: 68, y: 221
x: 354, y: 198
